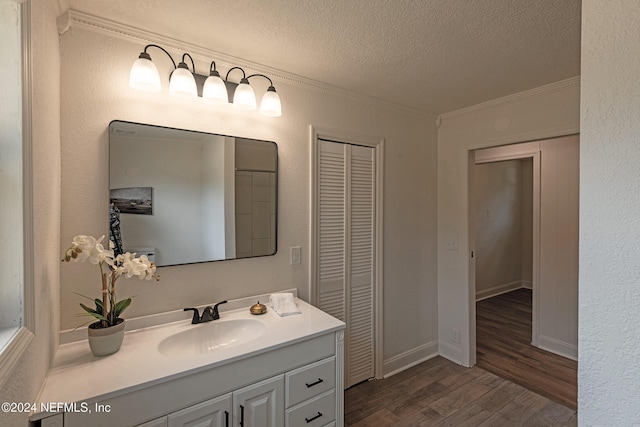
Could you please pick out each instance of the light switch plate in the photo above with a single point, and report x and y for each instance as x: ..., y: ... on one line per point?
x: 295, y: 255
x: 452, y: 244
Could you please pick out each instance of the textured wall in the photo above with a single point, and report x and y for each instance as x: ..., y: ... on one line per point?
x: 608, y: 369
x: 94, y: 84
x: 541, y: 113
x: 25, y: 382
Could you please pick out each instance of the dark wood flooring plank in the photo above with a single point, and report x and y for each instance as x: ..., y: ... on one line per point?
x: 503, y: 342
x: 440, y: 393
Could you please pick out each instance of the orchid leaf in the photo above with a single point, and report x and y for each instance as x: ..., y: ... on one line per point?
x: 94, y: 314
x: 120, y: 307
x: 99, y: 306
x: 90, y: 310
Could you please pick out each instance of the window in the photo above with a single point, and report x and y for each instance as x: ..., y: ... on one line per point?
x: 15, y: 185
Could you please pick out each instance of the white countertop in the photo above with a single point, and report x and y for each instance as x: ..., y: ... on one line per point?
x: 76, y: 375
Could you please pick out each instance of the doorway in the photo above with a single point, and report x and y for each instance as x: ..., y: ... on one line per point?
x: 529, y: 331
x: 504, y: 226
x: 512, y: 161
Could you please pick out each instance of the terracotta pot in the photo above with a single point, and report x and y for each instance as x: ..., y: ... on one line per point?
x: 105, y: 341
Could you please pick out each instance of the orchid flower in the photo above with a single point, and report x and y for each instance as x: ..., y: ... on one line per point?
x: 88, y: 248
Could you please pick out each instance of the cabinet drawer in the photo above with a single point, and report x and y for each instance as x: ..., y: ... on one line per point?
x: 309, y: 381
x: 316, y: 412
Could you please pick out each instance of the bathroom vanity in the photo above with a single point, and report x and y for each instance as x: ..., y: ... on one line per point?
x: 241, y: 370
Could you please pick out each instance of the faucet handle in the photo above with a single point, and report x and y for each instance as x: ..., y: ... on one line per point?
x: 216, y: 315
x: 207, y: 314
x: 196, y: 315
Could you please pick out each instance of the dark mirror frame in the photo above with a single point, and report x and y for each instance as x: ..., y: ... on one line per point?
x: 141, y: 197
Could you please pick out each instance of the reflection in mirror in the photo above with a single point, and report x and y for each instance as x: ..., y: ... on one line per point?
x: 183, y: 196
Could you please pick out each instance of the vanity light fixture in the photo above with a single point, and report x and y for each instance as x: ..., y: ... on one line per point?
x: 184, y: 82
x: 244, y: 96
x: 144, y: 73
x: 214, y: 89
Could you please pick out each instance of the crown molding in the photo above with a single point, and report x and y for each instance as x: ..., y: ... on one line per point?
x: 74, y: 18
x: 513, y: 98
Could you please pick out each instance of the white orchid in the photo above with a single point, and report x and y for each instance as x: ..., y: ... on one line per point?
x: 88, y: 248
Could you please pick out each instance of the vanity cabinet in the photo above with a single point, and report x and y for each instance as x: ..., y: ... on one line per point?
x: 212, y: 413
x: 257, y: 405
x: 260, y: 405
x: 308, y: 392
x: 290, y: 376
x: 160, y: 422
x: 311, y: 394
x: 291, y: 386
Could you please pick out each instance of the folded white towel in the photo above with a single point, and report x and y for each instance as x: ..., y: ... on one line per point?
x: 283, y: 304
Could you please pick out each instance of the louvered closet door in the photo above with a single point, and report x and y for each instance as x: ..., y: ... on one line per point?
x: 346, y: 242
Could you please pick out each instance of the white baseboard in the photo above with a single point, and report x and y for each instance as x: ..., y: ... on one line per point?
x: 527, y: 285
x: 450, y: 352
x: 410, y: 358
x: 558, y: 347
x: 498, y: 290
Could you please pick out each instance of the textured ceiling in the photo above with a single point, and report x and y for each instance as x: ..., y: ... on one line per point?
x: 431, y: 55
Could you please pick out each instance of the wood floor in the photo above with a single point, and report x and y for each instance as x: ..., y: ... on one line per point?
x: 503, y: 341
x: 440, y: 393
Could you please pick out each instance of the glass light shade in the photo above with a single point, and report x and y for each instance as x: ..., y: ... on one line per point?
x: 270, y: 104
x: 144, y: 76
x: 182, y: 83
x: 215, y: 91
x: 244, y: 97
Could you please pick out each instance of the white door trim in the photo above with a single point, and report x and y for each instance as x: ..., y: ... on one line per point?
x: 377, y: 143
x: 496, y: 154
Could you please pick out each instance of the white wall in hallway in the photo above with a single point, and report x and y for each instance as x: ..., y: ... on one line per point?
x: 555, y: 299
x: 559, y: 217
x: 541, y: 113
x: 499, y: 222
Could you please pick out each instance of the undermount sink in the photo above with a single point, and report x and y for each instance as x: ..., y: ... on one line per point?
x: 211, y: 336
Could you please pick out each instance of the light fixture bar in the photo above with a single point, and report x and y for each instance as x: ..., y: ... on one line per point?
x: 186, y: 82
x: 231, y: 86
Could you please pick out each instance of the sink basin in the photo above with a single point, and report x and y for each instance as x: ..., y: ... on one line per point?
x: 211, y: 336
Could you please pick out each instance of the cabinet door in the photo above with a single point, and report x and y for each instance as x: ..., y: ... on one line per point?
x: 260, y: 404
x: 160, y: 422
x: 56, y: 420
x: 212, y: 413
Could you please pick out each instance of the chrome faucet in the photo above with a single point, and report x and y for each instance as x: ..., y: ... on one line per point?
x: 208, y: 314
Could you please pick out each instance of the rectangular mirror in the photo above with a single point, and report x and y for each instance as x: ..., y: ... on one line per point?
x: 184, y: 196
